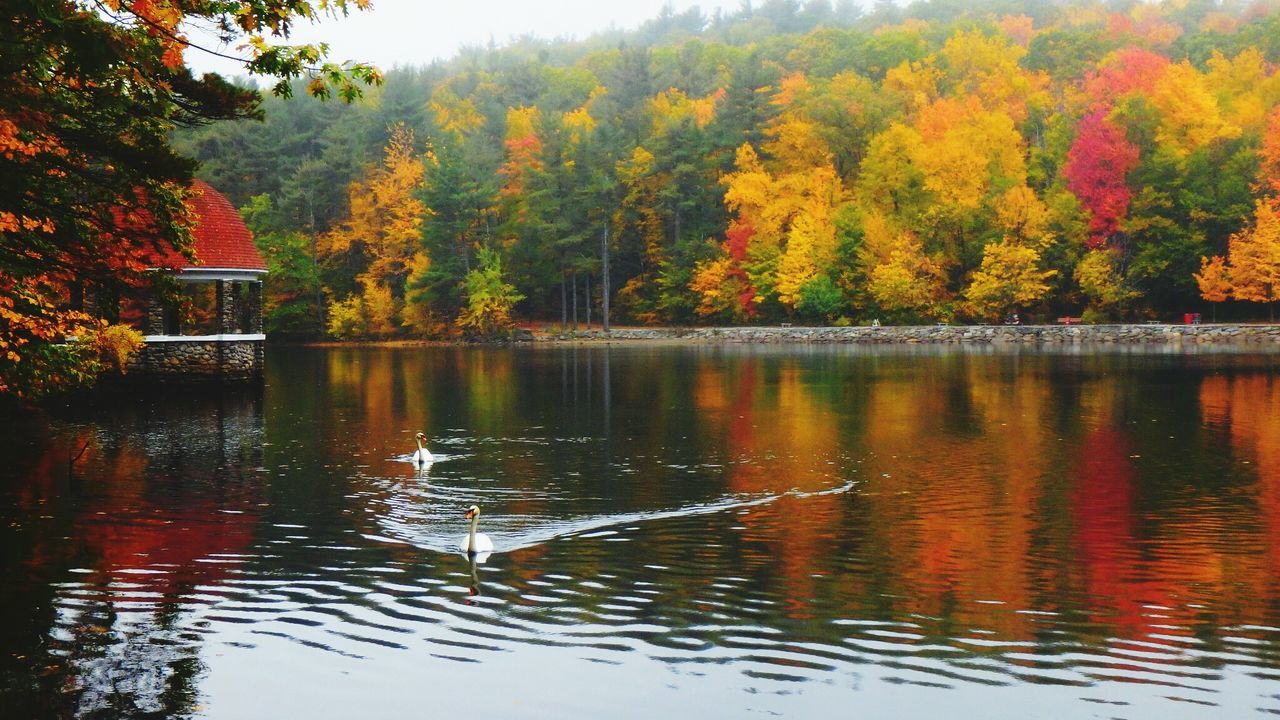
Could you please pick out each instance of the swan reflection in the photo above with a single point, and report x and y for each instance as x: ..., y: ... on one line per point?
x: 473, y: 560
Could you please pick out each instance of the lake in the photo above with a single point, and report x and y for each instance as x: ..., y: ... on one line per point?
x: 680, y: 530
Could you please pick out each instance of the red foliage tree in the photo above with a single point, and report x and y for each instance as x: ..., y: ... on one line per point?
x: 1124, y: 71
x: 736, y: 239
x: 1097, y: 164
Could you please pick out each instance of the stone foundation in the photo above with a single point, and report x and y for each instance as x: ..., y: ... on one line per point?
x: 981, y: 334
x: 203, y: 358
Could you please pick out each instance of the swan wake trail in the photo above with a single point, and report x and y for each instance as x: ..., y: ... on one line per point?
x: 437, y: 531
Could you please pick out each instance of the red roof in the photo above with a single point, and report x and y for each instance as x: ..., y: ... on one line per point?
x: 222, y: 240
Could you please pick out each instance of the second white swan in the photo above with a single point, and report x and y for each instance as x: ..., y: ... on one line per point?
x: 422, y: 456
x: 474, y: 542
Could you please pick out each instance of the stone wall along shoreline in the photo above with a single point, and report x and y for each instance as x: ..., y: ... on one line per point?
x: 954, y: 334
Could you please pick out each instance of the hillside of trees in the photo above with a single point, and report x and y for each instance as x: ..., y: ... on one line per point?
x: 788, y: 162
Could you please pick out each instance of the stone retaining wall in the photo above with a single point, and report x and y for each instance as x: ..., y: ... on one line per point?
x: 942, y: 334
x: 199, y: 360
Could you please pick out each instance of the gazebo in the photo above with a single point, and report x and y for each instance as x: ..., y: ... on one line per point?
x: 220, y: 334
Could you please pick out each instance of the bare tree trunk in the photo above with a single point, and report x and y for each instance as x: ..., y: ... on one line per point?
x: 573, y: 277
x: 315, y: 263
x: 604, y: 278
x: 564, y: 303
x: 586, y: 300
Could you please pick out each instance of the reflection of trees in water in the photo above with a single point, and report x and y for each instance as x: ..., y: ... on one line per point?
x: 1243, y: 409
x: 105, y: 557
x: 1027, y: 483
x: 982, y: 475
x: 113, y: 663
x: 96, y: 662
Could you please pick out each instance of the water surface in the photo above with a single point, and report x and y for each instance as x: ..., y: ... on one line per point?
x: 697, y: 531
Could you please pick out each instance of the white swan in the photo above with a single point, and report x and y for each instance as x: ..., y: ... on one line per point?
x: 474, y: 543
x: 422, y: 456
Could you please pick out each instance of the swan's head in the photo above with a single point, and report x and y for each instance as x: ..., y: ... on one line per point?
x: 472, y: 512
x: 421, y: 436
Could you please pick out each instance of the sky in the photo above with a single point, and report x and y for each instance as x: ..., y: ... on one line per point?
x: 416, y: 32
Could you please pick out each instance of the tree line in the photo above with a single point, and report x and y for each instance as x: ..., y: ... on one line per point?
x: 799, y: 163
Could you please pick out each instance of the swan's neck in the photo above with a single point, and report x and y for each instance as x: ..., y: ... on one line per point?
x: 419, y: 441
x: 471, y: 536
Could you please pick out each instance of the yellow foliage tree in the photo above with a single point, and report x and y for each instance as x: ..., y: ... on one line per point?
x: 672, y: 108
x: 490, y: 298
x: 1024, y: 217
x: 381, y: 309
x: 908, y: 281
x: 1101, y: 282
x: 115, y: 344
x: 1254, y: 257
x: 383, y: 231
x: 986, y: 67
x: 965, y: 150
x: 879, y: 238
x: 888, y: 174
x: 795, y: 145
x: 346, y: 318
x: 455, y: 114
x: 1009, y: 278
x: 811, y: 246
x: 790, y: 213
x: 370, y: 313
x: 1190, y: 116
x: 578, y: 124
x: 1242, y: 87
x: 916, y: 83
x: 748, y: 189
x: 386, y: 214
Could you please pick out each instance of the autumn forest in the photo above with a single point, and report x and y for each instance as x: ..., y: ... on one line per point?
x: 783, y: 163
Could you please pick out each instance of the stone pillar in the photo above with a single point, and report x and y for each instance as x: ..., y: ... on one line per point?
x: 155, y: 316
x: 255, y: 307
x: 226, y: 307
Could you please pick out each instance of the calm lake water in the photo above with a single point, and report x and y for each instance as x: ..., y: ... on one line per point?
x: 712, y: 532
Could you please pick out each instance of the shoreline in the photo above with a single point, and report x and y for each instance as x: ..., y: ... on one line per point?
x: 1117, y: 334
